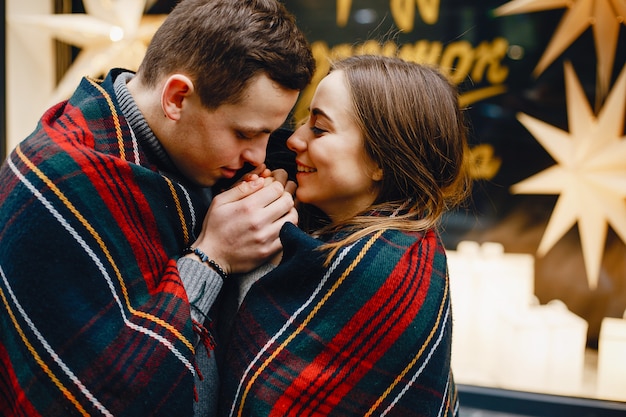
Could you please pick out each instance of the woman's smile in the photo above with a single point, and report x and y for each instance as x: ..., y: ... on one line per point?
x: 301, y: 168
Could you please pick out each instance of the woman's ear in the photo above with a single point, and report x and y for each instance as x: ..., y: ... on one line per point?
x: 377, y: 174
x: 176, y: 89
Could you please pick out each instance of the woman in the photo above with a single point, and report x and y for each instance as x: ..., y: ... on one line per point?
x: 356, y: 319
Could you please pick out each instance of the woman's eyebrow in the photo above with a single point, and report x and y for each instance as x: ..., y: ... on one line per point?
x: 319, y: 112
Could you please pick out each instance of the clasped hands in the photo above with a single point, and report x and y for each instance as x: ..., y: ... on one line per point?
x: 240, y: 230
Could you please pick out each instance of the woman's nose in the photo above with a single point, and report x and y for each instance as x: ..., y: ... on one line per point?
x: 297, y: 141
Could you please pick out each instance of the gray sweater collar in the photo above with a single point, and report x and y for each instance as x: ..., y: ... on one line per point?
x: 145, y: 135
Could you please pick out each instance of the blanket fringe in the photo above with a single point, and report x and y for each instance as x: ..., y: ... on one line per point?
x: 205, y: 336
x: 209, y: 343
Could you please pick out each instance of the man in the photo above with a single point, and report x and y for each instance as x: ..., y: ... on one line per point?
x: 108, y: 263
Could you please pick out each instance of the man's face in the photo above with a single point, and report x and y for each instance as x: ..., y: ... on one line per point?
x: 213, y: 144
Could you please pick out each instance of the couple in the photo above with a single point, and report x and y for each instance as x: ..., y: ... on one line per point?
x: 113, y: 249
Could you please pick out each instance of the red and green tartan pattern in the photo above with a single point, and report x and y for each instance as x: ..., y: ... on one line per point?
x: 370, y: 336
x: 94, y: 319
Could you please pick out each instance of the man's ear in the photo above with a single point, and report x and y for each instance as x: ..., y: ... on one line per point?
x: 176, y: 89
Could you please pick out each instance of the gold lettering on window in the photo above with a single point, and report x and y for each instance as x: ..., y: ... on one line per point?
x: 459, y: 60
x: 402, y: 11
x: 483, y: 163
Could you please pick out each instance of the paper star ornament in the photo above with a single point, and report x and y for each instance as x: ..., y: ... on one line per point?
x: 604, y: 16
x: 112, y: 33
x: 590, y: 174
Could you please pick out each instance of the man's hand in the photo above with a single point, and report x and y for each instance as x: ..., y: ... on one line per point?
x: 240, y: 230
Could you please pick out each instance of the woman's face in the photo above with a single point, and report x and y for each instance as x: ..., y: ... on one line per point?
x: 334, y: 172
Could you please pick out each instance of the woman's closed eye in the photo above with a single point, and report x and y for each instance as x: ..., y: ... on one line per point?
x: 317, y: 131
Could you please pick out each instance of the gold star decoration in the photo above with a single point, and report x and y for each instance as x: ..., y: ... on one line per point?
x: 112, y: 33
x: 605, y: 16
x: 590, y: 174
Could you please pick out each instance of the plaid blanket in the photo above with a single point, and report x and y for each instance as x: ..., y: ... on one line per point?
x: 94, y: 319
x: 370, y: 335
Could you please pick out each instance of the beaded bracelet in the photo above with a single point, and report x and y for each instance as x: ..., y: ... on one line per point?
x: 204, y: 258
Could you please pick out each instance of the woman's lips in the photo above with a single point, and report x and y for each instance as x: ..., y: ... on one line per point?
x: 301, y: 168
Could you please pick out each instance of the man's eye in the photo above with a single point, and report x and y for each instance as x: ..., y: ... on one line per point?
x: 317, y: 131
x: 242, y: 135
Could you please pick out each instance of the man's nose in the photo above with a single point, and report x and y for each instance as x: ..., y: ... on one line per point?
x: 255, y: 155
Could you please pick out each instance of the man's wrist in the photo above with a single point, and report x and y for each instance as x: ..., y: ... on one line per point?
x: 205, y: 259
